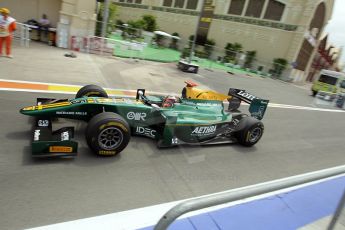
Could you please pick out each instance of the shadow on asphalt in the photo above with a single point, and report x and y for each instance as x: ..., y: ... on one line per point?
x: 195, y: 149
x: 244, y: 149
x: 21, y: 135
x: 85, y: 158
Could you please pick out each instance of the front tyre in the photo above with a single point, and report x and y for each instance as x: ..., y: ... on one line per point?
x: 107, y: 134
x: 91, y: 91
x: 251, y: 133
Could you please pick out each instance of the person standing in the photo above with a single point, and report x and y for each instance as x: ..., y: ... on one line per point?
x: 7, y: 26
x: 44, y: 25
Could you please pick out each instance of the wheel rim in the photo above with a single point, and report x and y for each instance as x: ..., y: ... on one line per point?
x: 255, y: 134
x: 110, y: 138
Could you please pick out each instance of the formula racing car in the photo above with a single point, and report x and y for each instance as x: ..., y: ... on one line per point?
x: 169, y: 120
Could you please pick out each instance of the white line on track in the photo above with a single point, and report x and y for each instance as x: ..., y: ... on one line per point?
x: 271, y: 105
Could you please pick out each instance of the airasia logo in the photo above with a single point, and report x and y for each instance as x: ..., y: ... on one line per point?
x: 136, y: 116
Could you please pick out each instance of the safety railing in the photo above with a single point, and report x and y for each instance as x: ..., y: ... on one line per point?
x: 250, y: 191
x: 131, y: 41
x: 93, y: 45
x: 22, y: 34
x: 339, y: 211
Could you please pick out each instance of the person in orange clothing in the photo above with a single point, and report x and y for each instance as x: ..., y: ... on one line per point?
x: 7, y: 26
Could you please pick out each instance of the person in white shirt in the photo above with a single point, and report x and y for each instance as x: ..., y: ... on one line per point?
x: 7, y: 26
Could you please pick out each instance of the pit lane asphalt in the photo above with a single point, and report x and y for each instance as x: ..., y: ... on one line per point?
x: 36, y: 192
x: 40, y: 192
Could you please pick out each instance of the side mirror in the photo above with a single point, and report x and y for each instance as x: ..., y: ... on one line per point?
x: 140, y: 93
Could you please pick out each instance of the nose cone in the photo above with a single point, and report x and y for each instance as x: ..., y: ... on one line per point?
x: 28, y: 110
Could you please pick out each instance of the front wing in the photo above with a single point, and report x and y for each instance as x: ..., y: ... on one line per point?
x: 49, y: 143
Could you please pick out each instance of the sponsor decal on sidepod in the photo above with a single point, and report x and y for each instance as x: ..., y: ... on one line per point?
x: 205, y: 130
x: 136, y: 116
x: 146, y: 131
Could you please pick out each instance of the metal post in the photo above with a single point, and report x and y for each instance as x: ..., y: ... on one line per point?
x: 242, y: 193
x: 337, y: 213
x: 27, y: 36
x: 102, y: 46
x: 22, y: 35
x: 105, y: 18
x: 195, y: 34
x: 88, y: 40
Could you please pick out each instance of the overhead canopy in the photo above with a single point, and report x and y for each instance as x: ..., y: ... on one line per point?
x: 165, y: 34
x: 175, y: 37
x: 162, y: 33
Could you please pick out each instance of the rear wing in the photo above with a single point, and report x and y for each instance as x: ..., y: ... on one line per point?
x: 257, y: 106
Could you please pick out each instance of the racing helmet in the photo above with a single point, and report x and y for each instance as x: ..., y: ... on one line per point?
x: 169, y: 101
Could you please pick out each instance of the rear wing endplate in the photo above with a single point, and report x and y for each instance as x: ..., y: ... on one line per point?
x: 257, y: 106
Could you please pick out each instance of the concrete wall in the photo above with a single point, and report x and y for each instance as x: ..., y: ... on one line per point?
x: 23, y: 10
x: 269, y: 42
x: 80, y: 16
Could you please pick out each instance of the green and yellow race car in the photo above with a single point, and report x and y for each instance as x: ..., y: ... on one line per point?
x: 169, y: 120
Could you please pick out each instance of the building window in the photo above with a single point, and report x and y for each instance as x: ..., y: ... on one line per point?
x: 192, y: 4
x: 236, y: 7
x: 255, y: 8
x: 129, y: 1
x: 274, y: 10
x: 138, y: 1
x: 179, y: 3
x: 121, y: 0
x: 167, y: 3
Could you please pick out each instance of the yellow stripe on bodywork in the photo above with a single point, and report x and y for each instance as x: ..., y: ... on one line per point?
x: 54, y: 105
x: 104, y: 100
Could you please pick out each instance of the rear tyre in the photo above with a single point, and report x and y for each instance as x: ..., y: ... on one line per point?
x: 91, y: 91
x: 314, y: 93
x: 251, y: 133
x: 107, y: 134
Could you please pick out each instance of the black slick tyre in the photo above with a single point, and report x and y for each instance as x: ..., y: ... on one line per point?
x: 251, y: 132
x: 91, y: 91
x: 107, y: 134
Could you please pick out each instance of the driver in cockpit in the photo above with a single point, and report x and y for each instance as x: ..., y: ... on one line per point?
x: 169, y: 101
